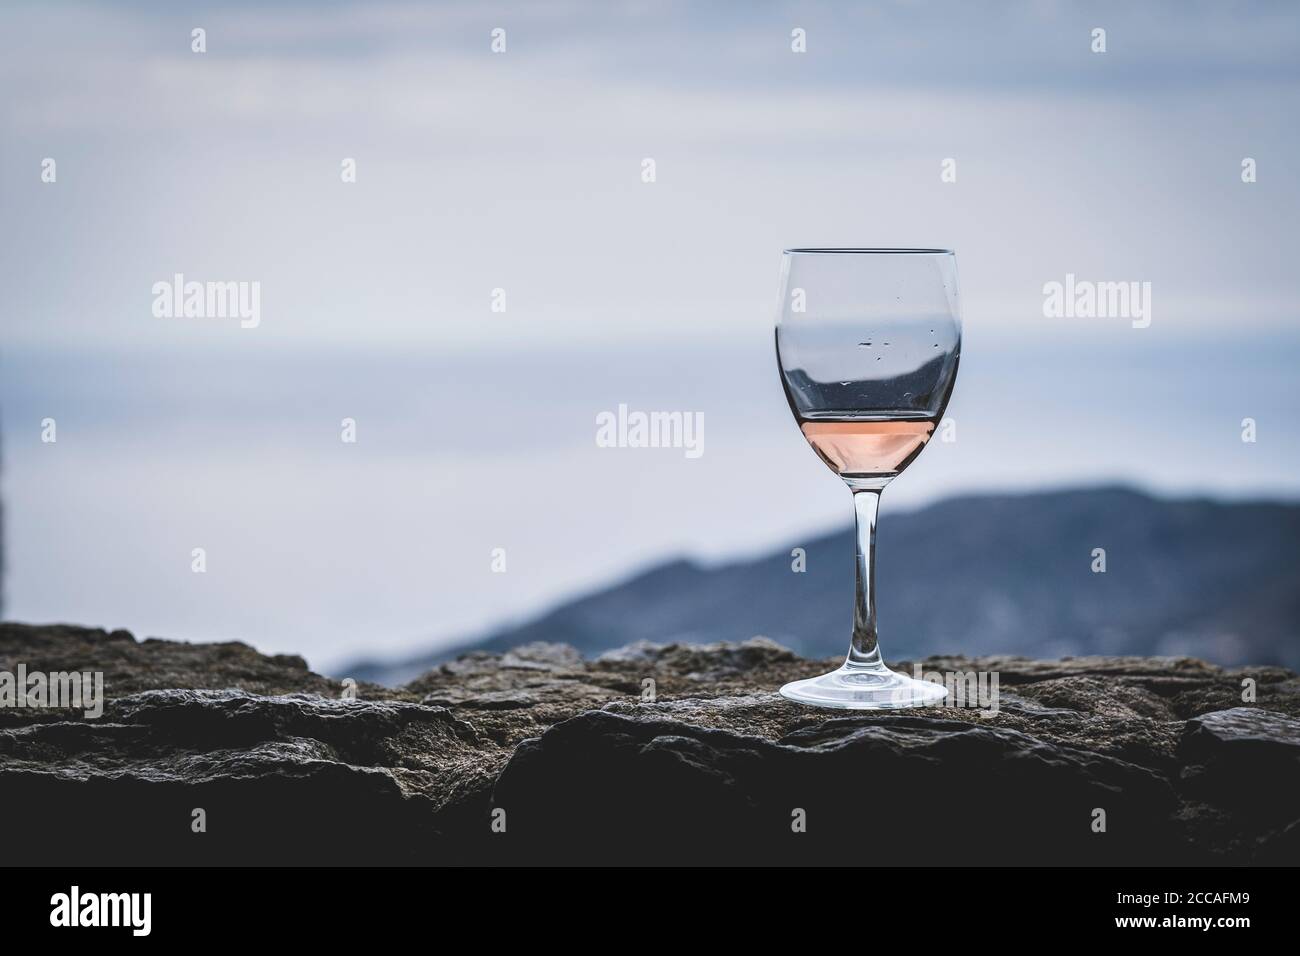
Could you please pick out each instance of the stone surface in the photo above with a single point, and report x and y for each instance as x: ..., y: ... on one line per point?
x: 651, y: 753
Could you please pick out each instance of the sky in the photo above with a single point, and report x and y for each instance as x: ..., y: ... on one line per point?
x: 522, y: 171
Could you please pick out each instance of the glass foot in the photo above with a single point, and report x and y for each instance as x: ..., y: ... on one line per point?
x: 858, y: 687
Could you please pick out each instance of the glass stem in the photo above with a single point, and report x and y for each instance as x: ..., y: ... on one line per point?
x: 865, y: 650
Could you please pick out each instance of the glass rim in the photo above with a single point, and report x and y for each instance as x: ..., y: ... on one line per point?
x: 850, y: 250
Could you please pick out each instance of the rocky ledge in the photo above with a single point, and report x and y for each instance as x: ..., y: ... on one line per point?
x: 650, y: 754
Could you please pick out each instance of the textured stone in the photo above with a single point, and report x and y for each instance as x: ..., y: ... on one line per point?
x: 588, y: 767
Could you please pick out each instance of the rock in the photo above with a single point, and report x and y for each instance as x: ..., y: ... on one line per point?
x: 131, y: 665
x: 703, y: 662
x: 542, y: 656
x: 875, y: 790
x: 652, y: 753
x: 1245, y: 758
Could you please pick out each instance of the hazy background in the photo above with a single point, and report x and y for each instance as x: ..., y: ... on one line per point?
x: 522, y: 171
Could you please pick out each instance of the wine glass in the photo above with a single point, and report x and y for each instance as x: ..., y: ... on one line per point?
x: 868, y: 342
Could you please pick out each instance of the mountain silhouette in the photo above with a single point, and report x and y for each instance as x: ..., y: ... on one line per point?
x: 979, y: 574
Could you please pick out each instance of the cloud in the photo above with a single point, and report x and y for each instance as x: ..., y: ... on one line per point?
x: 521, y: 170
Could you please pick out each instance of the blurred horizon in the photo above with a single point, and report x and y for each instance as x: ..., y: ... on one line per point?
x: 521, y: 171
x: 397, y: 655
x: 383, y: 547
